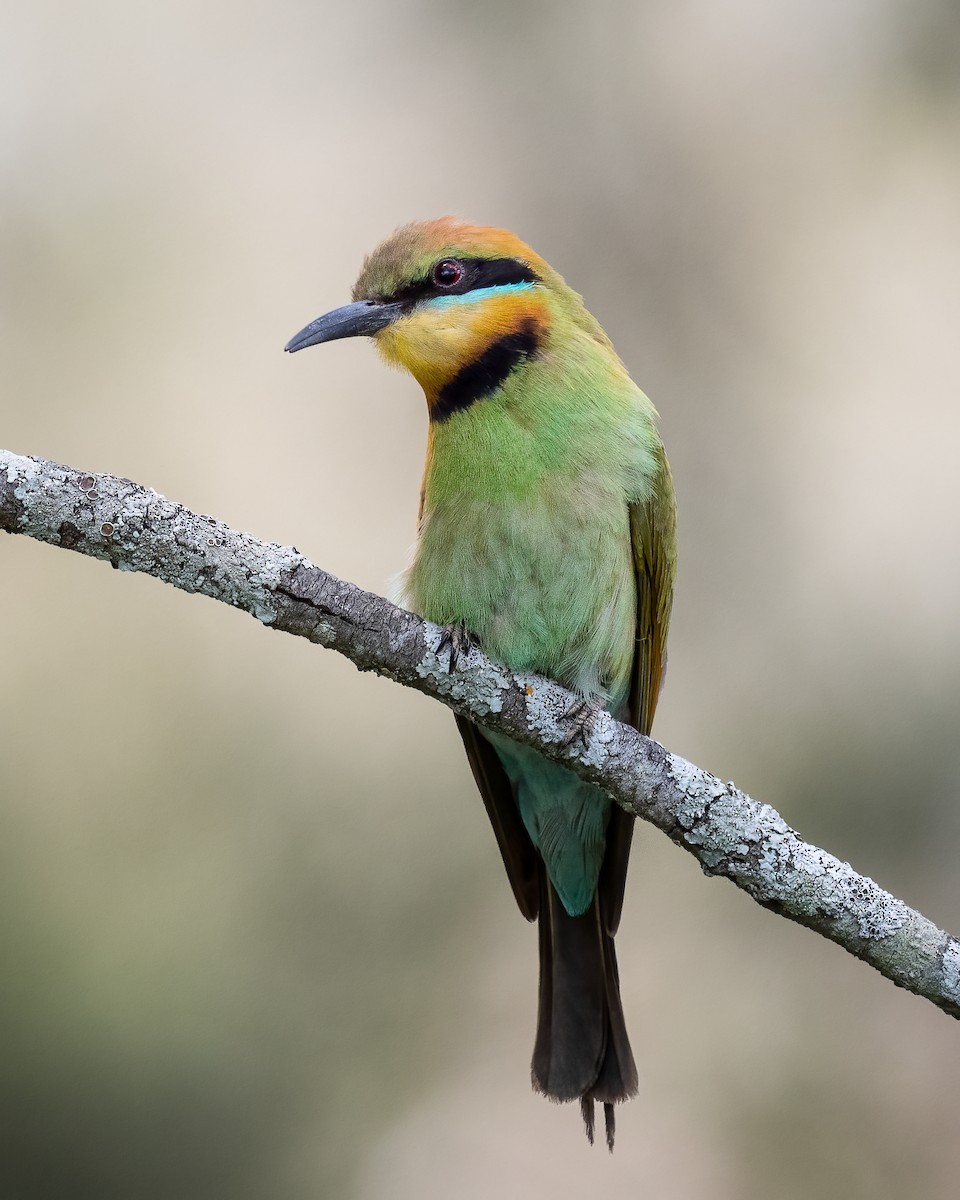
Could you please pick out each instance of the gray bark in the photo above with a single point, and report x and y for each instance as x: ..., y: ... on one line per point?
x: 730, y: 834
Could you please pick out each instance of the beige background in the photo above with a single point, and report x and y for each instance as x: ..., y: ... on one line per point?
x: 256, y: 940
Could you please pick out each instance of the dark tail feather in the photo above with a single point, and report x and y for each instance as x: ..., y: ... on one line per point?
x: 581, y: 1051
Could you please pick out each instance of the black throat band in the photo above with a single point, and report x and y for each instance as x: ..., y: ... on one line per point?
x: 487, y: 373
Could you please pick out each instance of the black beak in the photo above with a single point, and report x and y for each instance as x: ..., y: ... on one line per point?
x: 362, y: 319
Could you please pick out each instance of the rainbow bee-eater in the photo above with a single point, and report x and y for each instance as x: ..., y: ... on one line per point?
x: 547, y: 534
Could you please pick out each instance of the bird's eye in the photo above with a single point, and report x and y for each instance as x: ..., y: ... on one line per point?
x: 447, y: 273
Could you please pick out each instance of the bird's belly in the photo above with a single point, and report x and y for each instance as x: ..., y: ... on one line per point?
x: 546, y: 585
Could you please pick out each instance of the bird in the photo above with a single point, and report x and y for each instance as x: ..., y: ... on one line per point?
x: 547, y: 536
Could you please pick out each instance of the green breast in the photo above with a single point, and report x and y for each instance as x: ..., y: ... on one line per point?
x: 525, y: 535
x: 526, y: 539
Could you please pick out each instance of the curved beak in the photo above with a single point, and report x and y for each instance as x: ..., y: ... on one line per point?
x: 362, y: 319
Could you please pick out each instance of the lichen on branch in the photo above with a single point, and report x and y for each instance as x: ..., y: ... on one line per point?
x: 732, y: 835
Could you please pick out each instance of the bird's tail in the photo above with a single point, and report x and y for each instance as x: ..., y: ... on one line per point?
x: 582, y: 1051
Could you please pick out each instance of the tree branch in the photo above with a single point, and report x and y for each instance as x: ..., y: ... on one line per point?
x: 730, y: 834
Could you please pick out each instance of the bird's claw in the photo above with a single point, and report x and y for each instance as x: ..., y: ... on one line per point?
x: 459, y: 640
x: 582, y: 716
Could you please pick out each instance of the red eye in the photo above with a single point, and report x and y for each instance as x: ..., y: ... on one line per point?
x: 447, y: 273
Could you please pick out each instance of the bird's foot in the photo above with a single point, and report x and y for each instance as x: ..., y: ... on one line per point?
x: 582, y: 717
x: 458, y: 639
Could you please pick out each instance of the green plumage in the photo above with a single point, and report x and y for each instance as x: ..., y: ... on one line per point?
x: 525, y: 538
x: 547, y: 531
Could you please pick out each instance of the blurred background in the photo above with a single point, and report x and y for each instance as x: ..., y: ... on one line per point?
x: 256, y: 936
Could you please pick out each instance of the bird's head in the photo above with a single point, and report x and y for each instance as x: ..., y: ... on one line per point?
x: 460, y: 306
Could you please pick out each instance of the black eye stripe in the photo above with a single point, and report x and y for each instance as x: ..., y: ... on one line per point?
x: 477, y: 273
x: 496, y: 272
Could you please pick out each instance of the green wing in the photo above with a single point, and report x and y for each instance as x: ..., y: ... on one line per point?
x: 653, y: 532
